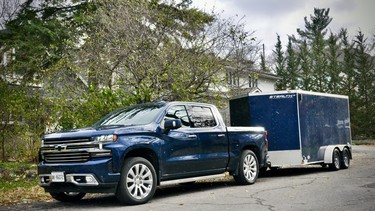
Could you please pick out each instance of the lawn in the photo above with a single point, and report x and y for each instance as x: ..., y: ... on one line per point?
x: 19, y: 184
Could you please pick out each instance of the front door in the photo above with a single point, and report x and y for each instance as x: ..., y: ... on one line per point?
x: 200, y: 146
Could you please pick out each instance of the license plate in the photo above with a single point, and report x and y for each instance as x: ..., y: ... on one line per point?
x: 58, y: 177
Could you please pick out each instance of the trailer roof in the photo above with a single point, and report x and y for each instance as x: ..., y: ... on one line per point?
x: 292, y: 92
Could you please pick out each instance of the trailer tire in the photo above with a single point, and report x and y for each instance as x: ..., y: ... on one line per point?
x: 345, y: 159
x: 336, y: 160
x: 138, y: 181
x: 248, y: 168
x: 67, y: 196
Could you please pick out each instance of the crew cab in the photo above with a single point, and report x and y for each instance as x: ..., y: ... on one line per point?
x: 133, y: 150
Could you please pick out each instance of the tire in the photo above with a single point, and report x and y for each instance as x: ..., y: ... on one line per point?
x: 248, y: 168
x: 345, y: 159
x: 138, y: 181
x: 336, y: 160
x: 68, y: 196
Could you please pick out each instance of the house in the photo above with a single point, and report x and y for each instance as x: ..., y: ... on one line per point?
x: 245, y: 81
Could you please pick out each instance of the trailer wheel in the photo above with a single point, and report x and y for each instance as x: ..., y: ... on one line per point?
x: 248, y: 168
x: 138, y: 181
x: 345, y: 160
x: 67, y: 196
x: 336, y: 160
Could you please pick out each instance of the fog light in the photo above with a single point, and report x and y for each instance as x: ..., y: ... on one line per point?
x: 89, y: 179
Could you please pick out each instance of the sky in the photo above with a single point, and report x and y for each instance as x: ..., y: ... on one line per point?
x: 270, y: 17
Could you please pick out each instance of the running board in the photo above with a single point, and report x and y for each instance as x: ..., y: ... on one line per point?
x: 191, y: 179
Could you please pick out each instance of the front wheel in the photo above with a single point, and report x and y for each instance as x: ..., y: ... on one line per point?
x: 68, y: 196
x: 248, y: 168
x: 138, y: 181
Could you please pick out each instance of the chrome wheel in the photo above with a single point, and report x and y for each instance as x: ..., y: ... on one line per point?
x: 250, y: 167
x: 139, y: 181
x: 345, y: 160
x: 335, y: 160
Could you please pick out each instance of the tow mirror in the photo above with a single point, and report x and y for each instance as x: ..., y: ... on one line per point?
x: 172, y: 124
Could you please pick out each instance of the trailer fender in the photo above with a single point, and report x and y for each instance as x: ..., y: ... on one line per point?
x: 329, y: 151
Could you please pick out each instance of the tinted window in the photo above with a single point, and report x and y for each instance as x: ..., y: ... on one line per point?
x: 178, y: 112
x: 201, y: 117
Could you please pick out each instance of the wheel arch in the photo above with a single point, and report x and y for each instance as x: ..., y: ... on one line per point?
x: 329, y: 152
x: 147, y: 154
x: 255, y: 149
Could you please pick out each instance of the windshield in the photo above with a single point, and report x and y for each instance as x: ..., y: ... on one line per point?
x: 135, y: 115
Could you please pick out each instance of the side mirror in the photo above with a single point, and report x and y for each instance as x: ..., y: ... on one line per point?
x: 172, y: 124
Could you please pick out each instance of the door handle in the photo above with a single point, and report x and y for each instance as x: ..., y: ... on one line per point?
x: 221, y: 135
x: 192, y: 136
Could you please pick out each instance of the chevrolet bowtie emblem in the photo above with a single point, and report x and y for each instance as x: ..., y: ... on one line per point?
x: 60, y: 147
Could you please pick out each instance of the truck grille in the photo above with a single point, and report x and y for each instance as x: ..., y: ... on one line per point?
x: 69, y: 151
x: 66, y: 157
x: 64, y: 141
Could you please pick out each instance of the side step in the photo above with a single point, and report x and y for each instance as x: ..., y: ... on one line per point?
x: 191, y: 179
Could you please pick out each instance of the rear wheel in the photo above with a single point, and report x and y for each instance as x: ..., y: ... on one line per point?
x: 138, y: 181
x: 248, y: 168
x: 336, y: 161
x: 345, y: 160
x: 68, y: 196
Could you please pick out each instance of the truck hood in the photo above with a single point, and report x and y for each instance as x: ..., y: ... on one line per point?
x: 89, y: 132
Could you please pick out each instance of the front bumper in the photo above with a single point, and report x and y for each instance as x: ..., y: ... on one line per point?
x: 94, y: 176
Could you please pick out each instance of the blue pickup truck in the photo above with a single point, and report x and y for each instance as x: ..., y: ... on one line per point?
x: 133, y: 150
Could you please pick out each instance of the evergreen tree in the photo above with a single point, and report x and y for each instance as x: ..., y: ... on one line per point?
x: 305, y: 66
x: 292, y: 63
x: 365, y: 77
x: 279, y: 67
x: 348, y: 83
x: 333, y: 65
x: 314, y: 35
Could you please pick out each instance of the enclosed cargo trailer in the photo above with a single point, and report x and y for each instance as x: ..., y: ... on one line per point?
x: 303, y: 127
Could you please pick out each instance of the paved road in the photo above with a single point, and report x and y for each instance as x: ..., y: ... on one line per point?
x: 312, y: 188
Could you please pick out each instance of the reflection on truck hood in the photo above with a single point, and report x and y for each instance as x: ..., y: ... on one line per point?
x: 88, y: 132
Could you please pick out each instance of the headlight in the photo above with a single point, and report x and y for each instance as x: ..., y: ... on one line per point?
x: 105, y: 138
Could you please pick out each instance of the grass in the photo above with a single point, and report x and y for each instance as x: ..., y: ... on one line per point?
x: 19, y: 184
x: 364, y: 142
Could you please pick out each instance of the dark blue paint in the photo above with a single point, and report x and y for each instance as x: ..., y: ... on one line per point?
x: 296, y: 119
x: 180, y: 153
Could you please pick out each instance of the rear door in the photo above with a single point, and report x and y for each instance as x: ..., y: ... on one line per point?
x: 212, y: 138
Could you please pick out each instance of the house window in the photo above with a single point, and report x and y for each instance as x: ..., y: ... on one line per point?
x: 253, y: 82
x: 232, y: 78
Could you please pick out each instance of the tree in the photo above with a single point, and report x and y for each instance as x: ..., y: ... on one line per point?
x: 292, y: 63
x: 41, y: 33
x: 37, y: 36
x: 365, y: 77
x: 314, y: 34
x: 305, y: 67
x: 333, y: 67
x: 348, y: 83
x: 8, y: 11
x: 155, y: 50
x: 279, y: 67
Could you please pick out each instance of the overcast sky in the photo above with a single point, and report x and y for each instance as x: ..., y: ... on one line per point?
x: 268, y: 17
